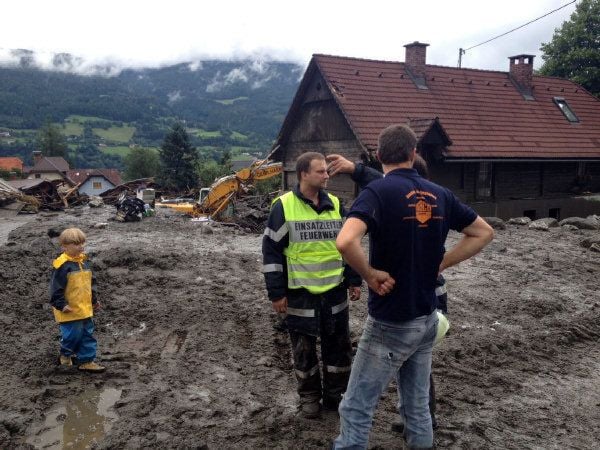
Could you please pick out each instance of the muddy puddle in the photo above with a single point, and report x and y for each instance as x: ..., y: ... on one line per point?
x: 78, y: 423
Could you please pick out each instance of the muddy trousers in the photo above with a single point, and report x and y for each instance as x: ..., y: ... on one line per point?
x: 77, y: 340
x: 336, y: 352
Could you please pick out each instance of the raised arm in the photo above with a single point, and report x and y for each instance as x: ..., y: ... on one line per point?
x: 360, y: 174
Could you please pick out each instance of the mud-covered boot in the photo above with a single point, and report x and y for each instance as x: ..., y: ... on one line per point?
x: 310, y: 410
x: 91, y: 367
x: 65, y: 361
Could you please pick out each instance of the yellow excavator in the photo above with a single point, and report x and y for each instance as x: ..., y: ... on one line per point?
x: 214, y: 200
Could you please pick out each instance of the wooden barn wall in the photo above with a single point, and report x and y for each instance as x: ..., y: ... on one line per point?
x: 594, y: 173
x: 321, y: 127
x: 320, y: 121
x: 470, y: 178
x: 448, y: 175
x: 340, y: 185
x: 559, y: 177
x: 542, y: 189
x: 517, y: 180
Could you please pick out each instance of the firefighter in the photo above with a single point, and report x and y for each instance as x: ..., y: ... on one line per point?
x: 307, y: 280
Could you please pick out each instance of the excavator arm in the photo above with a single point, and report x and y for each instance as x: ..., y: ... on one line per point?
x: 225, y: 189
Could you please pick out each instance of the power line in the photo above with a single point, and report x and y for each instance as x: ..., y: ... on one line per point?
x: 462, y: 51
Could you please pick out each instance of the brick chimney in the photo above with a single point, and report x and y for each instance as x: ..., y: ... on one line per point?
x: 414, y: 60
x: 37, y: 156
x: 521, y: 71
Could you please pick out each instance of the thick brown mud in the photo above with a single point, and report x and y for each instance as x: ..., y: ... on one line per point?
x: 187, y: 335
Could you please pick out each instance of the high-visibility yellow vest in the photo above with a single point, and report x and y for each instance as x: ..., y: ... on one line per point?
x: 312, y: 260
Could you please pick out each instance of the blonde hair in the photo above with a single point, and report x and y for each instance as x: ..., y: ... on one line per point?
x: 71, y: 236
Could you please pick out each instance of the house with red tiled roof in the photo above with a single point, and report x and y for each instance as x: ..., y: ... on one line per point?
x: 508, y: 143
x: 95, y: 181
x: 11, y: 164
x: 48, y: 168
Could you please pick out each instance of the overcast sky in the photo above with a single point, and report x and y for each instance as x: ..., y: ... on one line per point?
x: 136, y: 33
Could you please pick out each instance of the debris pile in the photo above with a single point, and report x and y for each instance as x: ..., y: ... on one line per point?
x: 55, y: 195
x: 129, y: 209
x: 34, y: 195
x: 252, y: 212
x: 130, y: 189
x: 8, y: 194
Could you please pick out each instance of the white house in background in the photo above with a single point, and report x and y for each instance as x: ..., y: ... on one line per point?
x: 47, y: 168
x: 95, y: 181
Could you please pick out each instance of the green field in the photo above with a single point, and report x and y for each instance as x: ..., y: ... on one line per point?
x: 72, y: 129
x: 74, y: 124
x: 231, y: 101
x: 115, y: 134
x: 238, y: 136
x: 121, y: 150
x: 204, y: 133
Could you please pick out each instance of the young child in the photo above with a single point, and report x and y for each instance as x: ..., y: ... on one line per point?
x: 74, y: 302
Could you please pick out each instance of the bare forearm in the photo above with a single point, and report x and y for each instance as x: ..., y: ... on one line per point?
x: 467, y: 247
x: 476, y: 236
x: 355, y: 257
x: 348, y: 244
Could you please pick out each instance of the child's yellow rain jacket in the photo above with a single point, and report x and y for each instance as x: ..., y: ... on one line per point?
x: 71, y: 284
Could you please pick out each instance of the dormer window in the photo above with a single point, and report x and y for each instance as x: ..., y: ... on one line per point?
x: 565, y: 109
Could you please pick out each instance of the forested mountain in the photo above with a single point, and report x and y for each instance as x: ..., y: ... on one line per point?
x: 246, y: 97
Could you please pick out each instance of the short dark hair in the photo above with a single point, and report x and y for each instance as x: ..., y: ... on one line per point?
x: 396, y: 143
x: 303, y: 162
x: 420, y: 165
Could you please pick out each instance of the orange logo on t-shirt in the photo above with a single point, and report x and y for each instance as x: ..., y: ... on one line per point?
x: 423, y: 211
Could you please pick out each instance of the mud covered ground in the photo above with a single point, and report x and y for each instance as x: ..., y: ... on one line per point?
x: 193, y: 360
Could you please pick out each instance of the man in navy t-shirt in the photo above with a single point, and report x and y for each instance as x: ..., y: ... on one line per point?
x: 407, y: 218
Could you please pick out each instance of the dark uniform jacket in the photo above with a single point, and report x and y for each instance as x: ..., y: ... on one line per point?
x: 307, y: 313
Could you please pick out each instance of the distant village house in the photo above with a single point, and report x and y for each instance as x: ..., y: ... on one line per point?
x: 508, y: 143
x: 95, y: 181
x: 90, y: 181
x: 12, y: 166
x: 47, y: 167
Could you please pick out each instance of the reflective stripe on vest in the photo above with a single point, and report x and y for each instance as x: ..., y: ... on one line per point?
x: 339, y: 308
x: 313, y: 262
x: 337, y: 369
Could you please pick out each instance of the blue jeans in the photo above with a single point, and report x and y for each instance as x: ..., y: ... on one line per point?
x: 387, y: 350
x: 77, y: 340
